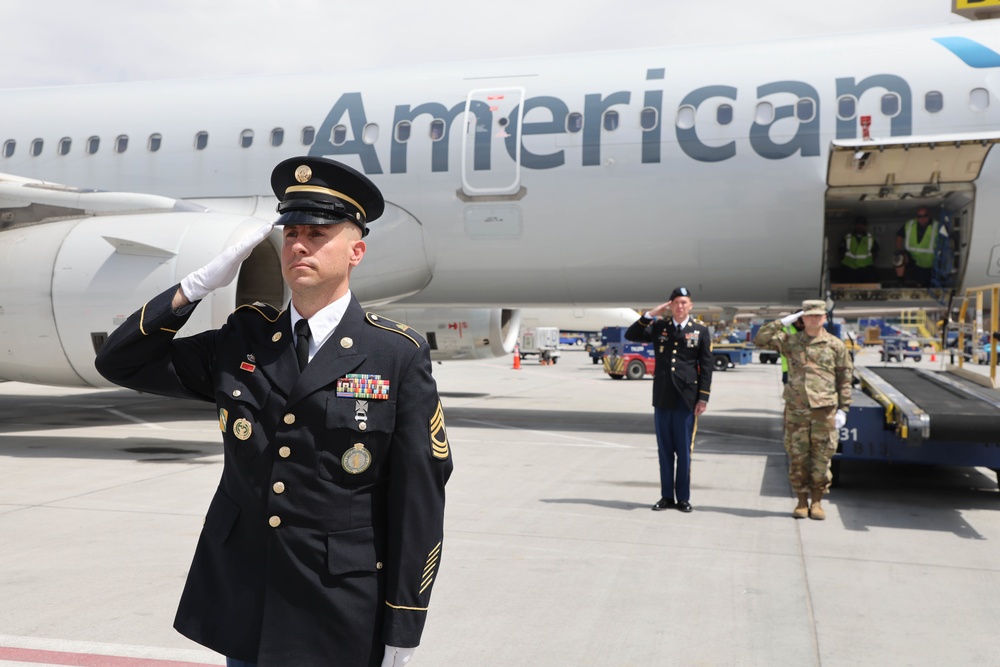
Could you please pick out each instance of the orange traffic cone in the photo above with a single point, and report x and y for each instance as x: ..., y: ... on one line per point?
x: 933, y: 355
x: 517, y: 358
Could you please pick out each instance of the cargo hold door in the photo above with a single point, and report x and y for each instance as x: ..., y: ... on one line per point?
x: 886, y: 181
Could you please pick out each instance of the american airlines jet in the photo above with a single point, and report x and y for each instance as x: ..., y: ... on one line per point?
x: 588, y: 180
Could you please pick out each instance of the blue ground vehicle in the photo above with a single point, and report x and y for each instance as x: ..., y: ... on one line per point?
x: 625, y: 359
x: 898, y: 349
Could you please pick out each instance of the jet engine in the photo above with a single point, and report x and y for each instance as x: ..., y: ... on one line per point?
x: 74, y: 264
x: 462, y: 333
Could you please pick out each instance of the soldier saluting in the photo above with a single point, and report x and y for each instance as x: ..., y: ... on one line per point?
x: 817, y: 398
x: 681, y: 385
x: 324, y: 537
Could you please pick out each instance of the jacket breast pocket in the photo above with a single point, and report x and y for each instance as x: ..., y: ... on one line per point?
x: 356, y: 443
x: 240, y: 410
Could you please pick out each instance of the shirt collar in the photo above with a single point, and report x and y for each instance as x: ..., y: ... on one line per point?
x: 323, y: 323
x: 682, y: 324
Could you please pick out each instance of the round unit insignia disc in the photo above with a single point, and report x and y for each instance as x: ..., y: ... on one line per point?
x: 242, y: 429
x: 356, y: 459
x: 303, y: 173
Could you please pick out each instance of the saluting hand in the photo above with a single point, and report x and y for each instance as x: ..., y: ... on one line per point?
x: 223, y: 269
x: 659, y: 310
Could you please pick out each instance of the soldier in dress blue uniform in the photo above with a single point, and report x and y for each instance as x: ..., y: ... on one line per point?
x: 681, y: 385
x: 323, y: 540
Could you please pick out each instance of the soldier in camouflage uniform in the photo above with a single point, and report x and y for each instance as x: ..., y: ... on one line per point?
x: 817, y: 398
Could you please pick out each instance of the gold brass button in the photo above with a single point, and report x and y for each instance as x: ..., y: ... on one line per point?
x: 284, y: 452
x: 378, y: 565
x: 362, y: 426
x: 289, y: 418
x: 279, y: 487
x: 276, y: 337
x: 274, y: 521
x: 374, y: 318
x: 236, y: 392
x: 346, y: 342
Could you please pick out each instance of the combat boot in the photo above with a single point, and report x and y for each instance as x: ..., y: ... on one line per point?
x: 801, y: 510
x: 816, y: 509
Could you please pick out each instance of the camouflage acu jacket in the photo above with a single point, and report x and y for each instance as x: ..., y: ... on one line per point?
x: 819, y: 369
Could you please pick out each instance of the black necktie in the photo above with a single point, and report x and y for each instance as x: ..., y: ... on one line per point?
x: 302, y: 342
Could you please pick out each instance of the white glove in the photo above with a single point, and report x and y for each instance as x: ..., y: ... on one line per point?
x: 221, y: 270
x: 840, y: 419
x: 788, y: 319
x: 397, y: 657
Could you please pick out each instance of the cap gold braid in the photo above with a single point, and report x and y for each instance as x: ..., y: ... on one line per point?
x: 325, y: 191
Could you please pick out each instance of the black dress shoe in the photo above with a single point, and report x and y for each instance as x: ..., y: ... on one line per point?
x: 684, y: 506
x: 664, y: 504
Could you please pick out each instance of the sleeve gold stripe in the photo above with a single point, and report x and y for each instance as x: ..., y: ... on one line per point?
x: 426, y: 583
x: 395, y: 606
x: 142, y: 315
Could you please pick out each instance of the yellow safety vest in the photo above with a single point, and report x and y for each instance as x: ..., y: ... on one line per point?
x: 859, y: 251
x: 921, y: 251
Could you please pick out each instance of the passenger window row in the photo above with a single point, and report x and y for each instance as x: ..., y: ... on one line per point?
x: 805, y: 111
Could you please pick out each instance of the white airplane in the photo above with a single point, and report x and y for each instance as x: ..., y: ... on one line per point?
x: 601, y: 179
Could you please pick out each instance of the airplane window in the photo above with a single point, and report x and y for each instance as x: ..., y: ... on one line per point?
x: 685, y: 117
x: 934, y: 101
x: 36, y: 147
x: 64, y: 145
x: 648, y: 118
x: 437, y: 129
x: 154, y: 142
x: 890, y: 104
x: 847, y: 107
x: 979, y: 99
x: 93, y: 143
x: 574, y: 122
x: 764, y: 114
x: 724, y: 114
x: 805, y: 109
x: 8, y: 148
x: 121, y: 143
x: 277, y: 136
x: 403, y: 131
x: 308, y: 136
x: 338, y: 136
x: 246, y: 138
x: 611, y: 120
x: 201, y: 140
x: 369, y: 134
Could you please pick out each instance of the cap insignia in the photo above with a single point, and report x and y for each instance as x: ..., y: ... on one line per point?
x: 303, y: 173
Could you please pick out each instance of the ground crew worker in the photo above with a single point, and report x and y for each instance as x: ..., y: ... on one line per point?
x: 681, y: 385
x: 858, y: 252
x: 915, y: 245
x: 817, y: 398
x: 324, y: 537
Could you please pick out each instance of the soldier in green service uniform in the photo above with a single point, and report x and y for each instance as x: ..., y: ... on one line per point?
x: 817, y: 398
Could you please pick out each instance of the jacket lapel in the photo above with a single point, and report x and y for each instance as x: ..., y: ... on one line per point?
x: 337, y: 357
x: 276, y: 358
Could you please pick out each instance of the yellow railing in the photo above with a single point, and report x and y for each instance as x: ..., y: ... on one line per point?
x: 979, y: 294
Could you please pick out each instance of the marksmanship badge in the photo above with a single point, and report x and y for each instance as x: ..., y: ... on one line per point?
x: 356, y: 459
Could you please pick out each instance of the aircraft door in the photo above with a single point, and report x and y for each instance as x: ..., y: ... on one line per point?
x: 491, y: 143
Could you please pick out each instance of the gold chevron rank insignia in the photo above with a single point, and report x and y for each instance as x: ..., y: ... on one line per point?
x: 439, y: 435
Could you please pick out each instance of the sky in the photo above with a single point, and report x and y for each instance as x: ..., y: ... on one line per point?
x: 58, y: 42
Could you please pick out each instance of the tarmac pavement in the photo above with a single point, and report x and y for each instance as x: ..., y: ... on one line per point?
x: 552, y: 555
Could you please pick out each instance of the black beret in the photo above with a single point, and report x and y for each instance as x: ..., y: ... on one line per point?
x: 680, y: 291
x: 320, y: 191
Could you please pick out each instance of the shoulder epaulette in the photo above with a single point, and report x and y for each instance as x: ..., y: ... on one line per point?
x: 391, y: 325
x: 269, y: 312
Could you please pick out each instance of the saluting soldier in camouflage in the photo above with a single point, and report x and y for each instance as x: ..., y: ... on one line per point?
x: 817, y: 398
